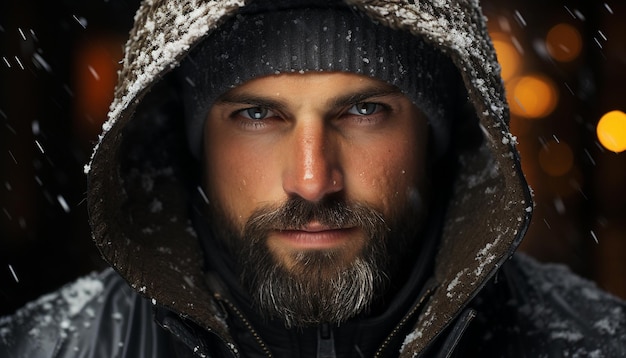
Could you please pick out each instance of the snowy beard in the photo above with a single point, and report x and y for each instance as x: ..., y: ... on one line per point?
x: 320, y: 285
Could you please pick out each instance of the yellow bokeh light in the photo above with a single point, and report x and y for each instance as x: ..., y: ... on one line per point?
x: 508, y: 56
x: 564, y: 42
x: 533, y: 96
x: 556, y: 158
x: 611, y: 131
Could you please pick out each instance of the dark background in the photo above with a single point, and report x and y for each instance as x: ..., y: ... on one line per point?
x: 58, y: 63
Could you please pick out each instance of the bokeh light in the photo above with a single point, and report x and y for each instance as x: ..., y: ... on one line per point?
x: 563, y: 42
x: 508, y: 56
x: 95, y: 75
x: 611, y: 131
x: 556, y: 158
x: 532, y: 96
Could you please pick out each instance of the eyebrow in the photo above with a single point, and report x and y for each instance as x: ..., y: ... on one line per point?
x: 340, y: 101
x: 363, y: 95
x: 250, y: 99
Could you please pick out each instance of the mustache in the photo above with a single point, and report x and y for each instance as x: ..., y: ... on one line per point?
x: 334, y: 213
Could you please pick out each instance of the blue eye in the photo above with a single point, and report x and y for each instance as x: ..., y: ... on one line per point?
x: 365, y: 108
x: 256, y: 113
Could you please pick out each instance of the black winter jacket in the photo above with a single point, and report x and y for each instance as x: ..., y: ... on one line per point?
x: 529, y: 310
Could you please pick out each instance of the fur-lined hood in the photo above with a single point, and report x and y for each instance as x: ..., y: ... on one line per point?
x: 138, y: 203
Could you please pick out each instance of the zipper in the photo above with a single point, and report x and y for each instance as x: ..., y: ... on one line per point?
x: 402, y: 323
x: 325, y: 341
x: 245, y: 321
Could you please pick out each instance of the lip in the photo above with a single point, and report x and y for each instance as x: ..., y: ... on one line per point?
x: 315, y: 236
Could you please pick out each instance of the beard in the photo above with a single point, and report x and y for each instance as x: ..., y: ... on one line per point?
x: 318, y: 286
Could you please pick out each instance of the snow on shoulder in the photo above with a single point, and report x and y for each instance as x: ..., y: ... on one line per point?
x: 52, y: 312
x: 572, y: 311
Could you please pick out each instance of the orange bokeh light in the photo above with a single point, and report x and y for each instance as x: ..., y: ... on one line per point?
x: 508, y: 56
x: 611, y: 131
x: 96, y: 65
x: 96, y: 76
x: 564, y: 42
x: 533, y: 96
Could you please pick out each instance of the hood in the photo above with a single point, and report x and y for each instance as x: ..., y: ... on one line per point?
x: 138, y: 194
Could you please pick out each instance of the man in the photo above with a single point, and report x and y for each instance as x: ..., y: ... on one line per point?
x: 313, y: 179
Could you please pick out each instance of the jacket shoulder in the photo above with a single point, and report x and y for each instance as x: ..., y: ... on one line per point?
x: 559, y: 310
x: 71, y: 321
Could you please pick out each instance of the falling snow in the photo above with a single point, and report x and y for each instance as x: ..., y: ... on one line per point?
x: 81, y: 21
x: 13, y: 274
x: 63, y: 203
x: 520, y: 18
x: 21, y: 33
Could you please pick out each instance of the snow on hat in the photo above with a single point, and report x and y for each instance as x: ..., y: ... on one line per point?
x: 315, y: 39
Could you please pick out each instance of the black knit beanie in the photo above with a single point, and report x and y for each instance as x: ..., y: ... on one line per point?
x: 275, y: 41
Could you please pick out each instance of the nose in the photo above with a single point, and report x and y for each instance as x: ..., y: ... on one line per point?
x: 313, y: 168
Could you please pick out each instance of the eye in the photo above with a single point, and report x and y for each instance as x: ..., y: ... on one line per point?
x: 365, y: 108
x: 256, y: 113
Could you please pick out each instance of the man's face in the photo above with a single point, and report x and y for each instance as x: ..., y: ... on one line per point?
x: 312, y: 175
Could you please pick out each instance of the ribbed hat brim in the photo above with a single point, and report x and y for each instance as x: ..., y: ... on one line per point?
x: 315, y: 39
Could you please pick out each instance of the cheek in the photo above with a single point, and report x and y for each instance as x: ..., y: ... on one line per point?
x: 393, y: 174
x: 238, y: 185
